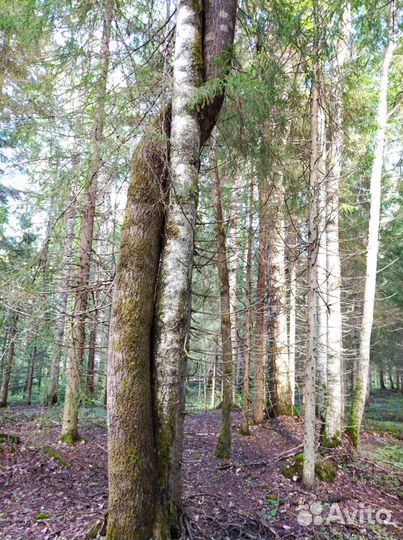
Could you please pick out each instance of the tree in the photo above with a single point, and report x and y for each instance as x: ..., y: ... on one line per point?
x: 137, y: 368
x: 223, y: 448
x: 361, y: 385
x: 74, y: 367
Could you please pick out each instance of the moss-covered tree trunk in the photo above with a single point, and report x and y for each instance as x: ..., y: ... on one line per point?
x: 8, y: 362
x: 145, y: 454
x: 74, y: 366
x: 223, y: 448
x: 361, y: 385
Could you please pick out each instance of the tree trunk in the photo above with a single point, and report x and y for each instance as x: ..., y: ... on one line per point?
x: 308, y: 475
x: 321, y: 262
x: 293, y: 258
x: 30, y: 377
x: 92, y: 341
x: 360, y: 391
x: 331, y: 433
x: 137, y: 507
x: 8, y: 363
x: 223, y: 448
x: 244, y: 428
x: 73, y: 383
x: 232, y: 278
x: 283, y: 376
x: 259, y: 397
x: 51, y: 397
x: 175, y: 278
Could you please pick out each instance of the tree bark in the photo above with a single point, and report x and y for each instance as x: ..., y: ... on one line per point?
x: 74, y: 367
x: 360, y: 390
x: 30, y: 377
x: 321, y: 262
x: 137, y: 338
x: 260, y: 361
x: 8, y: 363
x: 51, y: 397
x: 232, y: 278
x: 244, y: 427
x: 223, y: 448
x: 281, y: 401
x: 308, y: 474
x: 331, y: 431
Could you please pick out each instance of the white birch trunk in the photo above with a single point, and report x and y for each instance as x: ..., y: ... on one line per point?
x: 173, y: 304
x: 360, y: 391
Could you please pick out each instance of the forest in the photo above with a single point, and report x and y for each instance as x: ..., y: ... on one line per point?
x: 201, y: 269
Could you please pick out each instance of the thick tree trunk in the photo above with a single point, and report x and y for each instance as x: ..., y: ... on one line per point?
x: 260, y: 361
x: 223, y: 448
x: 244, y: 427
x: 308, y: 475
x: 331, y: 432
x: 360, y: 391
x: 283, y: 376
x: 8, y: 362
x: 74, y: 368
x: 30, y: 378
x: 142, y: 338
x: 51, y: 397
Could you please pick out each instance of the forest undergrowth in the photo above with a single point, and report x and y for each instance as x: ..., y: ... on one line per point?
x: 52, y: 491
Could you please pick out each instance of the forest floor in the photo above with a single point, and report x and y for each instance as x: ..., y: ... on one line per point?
x: 51, y: 491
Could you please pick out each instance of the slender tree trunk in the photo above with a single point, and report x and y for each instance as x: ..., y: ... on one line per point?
x: 92, y: 342
x: 308, y: 475
x: 232, y: 277
x: 293, y: 258
x: 259, y: 397
x: 223, y: 448
x: 283, y: 377
x: 51, y: 397
x: 8, y: 363
x: 144, y: 340
x: 321, y: 262
x: 74, y: 368
x: 360, y: 391
x: 382, y: 378
x: 30, y: 378
x: 244, y: 427
x: 331, y: 434
x: 173, y: 303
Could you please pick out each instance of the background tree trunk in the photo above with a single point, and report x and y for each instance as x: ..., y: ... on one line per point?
x: 360, y: 391
x: 74, y: 367
x: 259, y: 397
x: 223, y: 448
